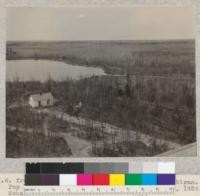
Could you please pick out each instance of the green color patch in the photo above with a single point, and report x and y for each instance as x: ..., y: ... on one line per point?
x: 133, y: 179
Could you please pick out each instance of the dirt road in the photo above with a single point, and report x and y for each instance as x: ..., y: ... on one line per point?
x: 108, y: 128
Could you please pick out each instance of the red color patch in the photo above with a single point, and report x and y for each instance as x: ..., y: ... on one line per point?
x: 100, y: 179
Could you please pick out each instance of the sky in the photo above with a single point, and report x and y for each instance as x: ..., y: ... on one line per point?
x: 99, y: 23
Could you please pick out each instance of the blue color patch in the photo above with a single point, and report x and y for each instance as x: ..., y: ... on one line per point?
x: 149, y: 179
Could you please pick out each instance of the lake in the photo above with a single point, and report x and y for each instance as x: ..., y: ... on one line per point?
x: 41, y: 70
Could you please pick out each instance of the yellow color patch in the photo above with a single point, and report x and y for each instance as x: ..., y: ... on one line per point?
x: 117, y: 179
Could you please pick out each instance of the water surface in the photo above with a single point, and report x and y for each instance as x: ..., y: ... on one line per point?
x: 26, y: 70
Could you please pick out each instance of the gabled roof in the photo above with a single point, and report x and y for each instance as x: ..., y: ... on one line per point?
x: 41, y: 96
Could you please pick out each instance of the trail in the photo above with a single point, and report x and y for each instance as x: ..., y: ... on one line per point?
x: 79, y: 147
x: 108, y: 128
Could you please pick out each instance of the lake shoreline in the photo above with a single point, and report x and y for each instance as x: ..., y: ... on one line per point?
x: 163, y: 58
x: 42, y: 70
x: 107, y: 71
x: 183, y: 76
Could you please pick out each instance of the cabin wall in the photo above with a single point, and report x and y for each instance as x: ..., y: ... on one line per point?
x: 44, y: 103
x: 33, y: 103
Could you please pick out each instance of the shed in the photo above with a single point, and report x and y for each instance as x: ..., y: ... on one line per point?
x: 41, y: 100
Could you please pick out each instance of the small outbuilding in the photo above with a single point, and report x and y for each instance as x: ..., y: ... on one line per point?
x: 41, y: 100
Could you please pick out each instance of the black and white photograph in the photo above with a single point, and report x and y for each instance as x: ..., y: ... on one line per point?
x: 100, y: 82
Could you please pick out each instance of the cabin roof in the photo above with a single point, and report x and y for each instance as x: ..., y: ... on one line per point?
x: 41, y: 96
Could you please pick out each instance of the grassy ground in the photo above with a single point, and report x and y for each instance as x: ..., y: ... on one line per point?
x: 20, y: 144
x: 76, y: 140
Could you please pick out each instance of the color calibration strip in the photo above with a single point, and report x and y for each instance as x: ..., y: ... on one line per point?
x: 99, y: 174
x: 98, y: 179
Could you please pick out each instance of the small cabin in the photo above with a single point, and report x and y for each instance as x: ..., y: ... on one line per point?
x: 41, y: 100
